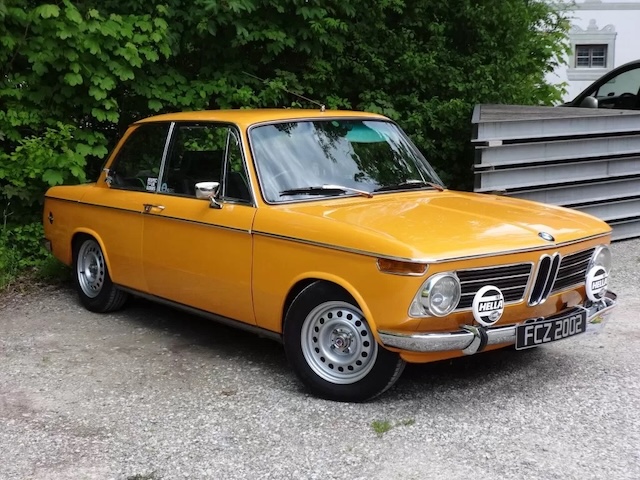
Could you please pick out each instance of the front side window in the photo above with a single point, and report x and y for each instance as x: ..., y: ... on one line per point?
x: 196, y: 155
x: 137, y: 164
x: 296, y: 160
x: 205, y: 153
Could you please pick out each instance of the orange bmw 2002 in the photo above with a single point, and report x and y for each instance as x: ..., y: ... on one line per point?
x: 329, y: 231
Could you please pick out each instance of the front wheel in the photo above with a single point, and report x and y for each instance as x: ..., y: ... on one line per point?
x: 332, y: 349
x: 91, y: 277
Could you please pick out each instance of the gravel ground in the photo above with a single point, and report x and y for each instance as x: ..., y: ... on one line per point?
x: 152, y: 393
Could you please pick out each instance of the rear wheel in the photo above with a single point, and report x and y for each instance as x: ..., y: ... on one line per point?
x: 91, y: 276
x: 332, y: 349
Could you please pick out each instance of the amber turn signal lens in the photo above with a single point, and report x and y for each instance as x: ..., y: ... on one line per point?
x: 397, y: 267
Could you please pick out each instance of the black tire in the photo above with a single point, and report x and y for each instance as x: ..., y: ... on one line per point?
x: 91, y: 278
x: 330, y: 346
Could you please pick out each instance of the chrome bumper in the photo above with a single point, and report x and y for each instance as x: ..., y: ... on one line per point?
x: 472, y: 339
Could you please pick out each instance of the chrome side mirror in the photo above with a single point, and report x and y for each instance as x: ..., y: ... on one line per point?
x: 589, y: 102
x: 209, y: 191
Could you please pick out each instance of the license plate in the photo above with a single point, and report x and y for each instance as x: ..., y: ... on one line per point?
x: 536, y: 333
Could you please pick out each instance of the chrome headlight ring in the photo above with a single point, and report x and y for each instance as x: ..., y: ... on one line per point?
x: 597, y: 276
x: 438, y: 296
x: 601, y: 258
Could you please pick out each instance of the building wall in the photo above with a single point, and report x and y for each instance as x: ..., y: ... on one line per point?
x: 608, y: 22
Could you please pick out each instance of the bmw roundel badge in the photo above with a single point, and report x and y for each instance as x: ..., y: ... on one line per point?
x: 546, y: 236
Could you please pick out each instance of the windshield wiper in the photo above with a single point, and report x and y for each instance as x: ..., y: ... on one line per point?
x: 322, y: 189
x: 409, y: 184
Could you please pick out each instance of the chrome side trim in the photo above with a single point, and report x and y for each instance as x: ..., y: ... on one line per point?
x: 140, y: 212
x: 463, y: 339
x: 423, y: 260
x: 204, y: 224
x: 230, y: 322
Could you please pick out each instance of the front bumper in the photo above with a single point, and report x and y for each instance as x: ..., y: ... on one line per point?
x: 472, y: 339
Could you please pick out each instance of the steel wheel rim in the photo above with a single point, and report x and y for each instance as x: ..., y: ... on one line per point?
x: 90, y: 269
x: 337, y: 343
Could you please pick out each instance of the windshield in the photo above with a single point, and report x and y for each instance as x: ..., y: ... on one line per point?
x: 297, y: 159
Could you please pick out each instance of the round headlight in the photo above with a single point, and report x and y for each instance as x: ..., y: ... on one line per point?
x: 441, y: 294
x: 602, y: 258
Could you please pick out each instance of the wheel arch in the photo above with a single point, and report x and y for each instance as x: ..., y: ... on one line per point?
x: 304, y: 281
x: 81, y: 233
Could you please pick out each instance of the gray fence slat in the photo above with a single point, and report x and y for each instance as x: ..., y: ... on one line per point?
x: 627, y: 229
x: 583, y: 193
x: 613, y: 210
x: 553, y: 151
x: 538, y: 176
x: 520, y: 123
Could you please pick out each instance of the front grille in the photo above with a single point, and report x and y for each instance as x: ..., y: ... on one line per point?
x: 545, y: 278
x: 512, y: 280
x: 573, y: 270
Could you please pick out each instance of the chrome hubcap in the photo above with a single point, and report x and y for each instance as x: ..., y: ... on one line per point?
x: 90, y: 268
x: 337, y: 343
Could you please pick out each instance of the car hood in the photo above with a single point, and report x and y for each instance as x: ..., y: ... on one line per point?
x: 429, y: 226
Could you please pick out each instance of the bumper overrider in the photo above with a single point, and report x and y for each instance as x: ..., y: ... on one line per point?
x: 534, y: 331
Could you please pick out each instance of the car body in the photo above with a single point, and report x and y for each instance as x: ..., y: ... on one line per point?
x: 329, y: 231
x: 618, y: 89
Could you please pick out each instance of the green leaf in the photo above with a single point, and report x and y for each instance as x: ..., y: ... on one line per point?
x: 73, y: 14
x: 48, y: 11
x: 97, y: 93
x: 92, y: 45
x: 39, y: 68
x: 73, y: 79
x: 52, y: 177
x: 84, y: 150
x: 154, y: 105
x: 99, y: 114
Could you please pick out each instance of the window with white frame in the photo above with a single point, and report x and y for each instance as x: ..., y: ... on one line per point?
x: 591, y: 56
x: 592, y: 51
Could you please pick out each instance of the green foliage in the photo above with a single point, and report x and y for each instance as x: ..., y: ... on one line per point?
x: 25, y: 240
x: 39, y: 162
x: 9, y: 259
x: 380, y: 427
x: 73, y: 75
x: 21, y: 250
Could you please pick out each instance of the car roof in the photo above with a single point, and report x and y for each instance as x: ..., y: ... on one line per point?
x: 247, y: 117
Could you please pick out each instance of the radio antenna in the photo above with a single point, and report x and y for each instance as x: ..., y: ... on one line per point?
x: 322, y: 107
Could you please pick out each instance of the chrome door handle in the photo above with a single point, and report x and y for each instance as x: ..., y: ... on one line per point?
x: 148, y: 207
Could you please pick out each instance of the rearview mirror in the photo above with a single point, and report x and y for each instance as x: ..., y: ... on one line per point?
x: 208, y: 191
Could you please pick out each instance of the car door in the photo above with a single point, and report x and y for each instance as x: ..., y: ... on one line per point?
x: 197, y: 252
x: 130, y: 184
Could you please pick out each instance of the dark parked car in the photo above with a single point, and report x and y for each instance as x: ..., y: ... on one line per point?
x: 620, y: 88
